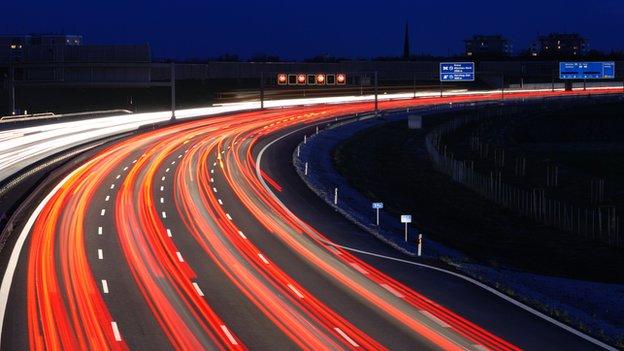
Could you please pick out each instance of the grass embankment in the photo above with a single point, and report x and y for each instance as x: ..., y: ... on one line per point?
x: 390, y: 164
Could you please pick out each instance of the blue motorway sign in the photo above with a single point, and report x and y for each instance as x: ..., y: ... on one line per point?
x: 457, y: 71
x: 586, y: 70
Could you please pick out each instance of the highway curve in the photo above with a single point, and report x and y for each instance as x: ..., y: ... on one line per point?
x: 173, y: 239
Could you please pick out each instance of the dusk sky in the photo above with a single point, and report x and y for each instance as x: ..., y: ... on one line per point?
x: 297, y: 29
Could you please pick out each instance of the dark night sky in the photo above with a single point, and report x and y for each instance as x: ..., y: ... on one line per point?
x: 296, y: 29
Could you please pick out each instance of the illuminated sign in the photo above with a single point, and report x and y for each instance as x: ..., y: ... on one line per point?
x: 457, y: 71
x: 586, y: 70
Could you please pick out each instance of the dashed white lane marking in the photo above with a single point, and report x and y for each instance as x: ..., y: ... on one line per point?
x: 162, y: 200
x: 228, y: 334
x: 105, y: 286
x: 180, y: 258
x: 162, y: 179
x: 435, y: 319
x: 112, y: 186
x: 242, y: 235
x: 172, y: 163
x: 214, y: 189
x: 228, y: 216
x: 103, y: 212
x: 212, y: 171
x: 212, y: 180
x: 179, y: 156
x: 220, y: 202
x: 169, y: 233
x: 116, y: 331
x: 392, y: 290
x: 99, y: 230
x: 118, y: 176
x: 291, y: 287
x: 358, y: 268
x: 214, y: 164
x: 263, y: 258
x: 164, y: 214
x: 346, y: 337
x: 199, y: 291
x: 100, y: 254
x: 162, y: 188
x: 125, y: 168
x: 107, y: 198
x: 167, y: 170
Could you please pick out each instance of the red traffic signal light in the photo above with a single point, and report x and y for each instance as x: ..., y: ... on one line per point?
x: 282, y: 79
x: 341, y: 79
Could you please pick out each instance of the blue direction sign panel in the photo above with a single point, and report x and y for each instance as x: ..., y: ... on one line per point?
x: 457, y: 71
x: 586, y: 70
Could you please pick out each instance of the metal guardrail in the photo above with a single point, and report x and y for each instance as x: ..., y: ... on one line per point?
x: 51, y: 115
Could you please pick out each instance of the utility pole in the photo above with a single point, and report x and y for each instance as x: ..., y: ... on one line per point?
x: 12, y: 88
x: 376, y: 101
x: 173, y: 93
x: 262, y: 89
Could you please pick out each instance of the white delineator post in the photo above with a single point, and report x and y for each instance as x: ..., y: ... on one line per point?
x: 305, y: 138
x: 298, y: 149
x: 305, y: 171
x: 419, y: 245
x: 335, y: 196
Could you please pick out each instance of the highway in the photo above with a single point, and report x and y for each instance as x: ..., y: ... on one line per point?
x: 179, y: 238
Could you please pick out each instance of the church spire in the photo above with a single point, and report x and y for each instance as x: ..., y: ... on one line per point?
x: 406, y: 47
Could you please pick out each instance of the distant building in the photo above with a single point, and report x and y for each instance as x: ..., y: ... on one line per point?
x: 57, y: 50
x: 559, y: 45
x: 487, y: 46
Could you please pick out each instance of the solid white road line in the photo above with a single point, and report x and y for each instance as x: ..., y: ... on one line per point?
x: 105, y: 286
x: 180, y: 258
x: 242, y: 235
x: 346, y: 337
x: 9, y: 273
x: 228, y: 334
x: 116, y: 331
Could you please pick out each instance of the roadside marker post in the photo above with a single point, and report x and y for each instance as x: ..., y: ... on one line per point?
x: 377, y: 206
x: 305, y: 138
x: 298, y: 147
x: 406, y: 219
x: 335, y: 196
x: 419, y: 245
x: 306, y: 169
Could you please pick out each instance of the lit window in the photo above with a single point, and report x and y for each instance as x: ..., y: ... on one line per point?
x: 13, y: 46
